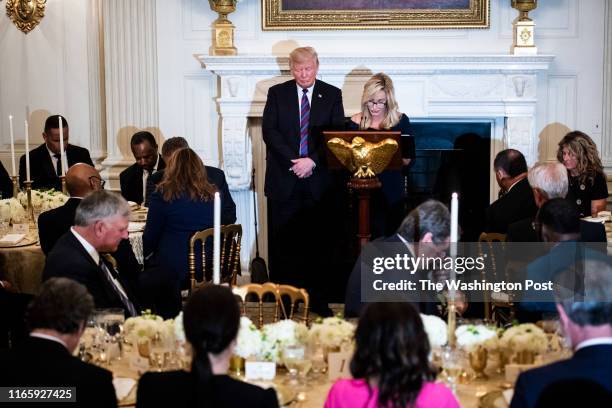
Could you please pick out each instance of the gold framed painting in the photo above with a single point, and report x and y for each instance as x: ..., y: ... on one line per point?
x: 283, y: 15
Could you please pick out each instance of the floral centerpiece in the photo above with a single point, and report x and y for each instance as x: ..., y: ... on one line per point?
x: 149, y: 327
x: 471, y: 336
x: 525, y: 337
x: 331, y: 332
x: 44, y: 200
x: 249, y: 341
x: 11, y: 207
x: 276, y: 336
x: 436, y: 329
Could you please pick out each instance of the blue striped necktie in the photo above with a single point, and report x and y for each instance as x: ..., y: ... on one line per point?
x: 304, y: 120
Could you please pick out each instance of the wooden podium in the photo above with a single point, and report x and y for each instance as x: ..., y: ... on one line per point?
x: 363, y: 186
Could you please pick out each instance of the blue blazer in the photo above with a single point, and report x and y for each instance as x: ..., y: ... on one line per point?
x: 169, y: 226
x: 593, y: 363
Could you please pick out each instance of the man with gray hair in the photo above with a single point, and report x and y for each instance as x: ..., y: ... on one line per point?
x: 57, y: 318
x: 584, y: 303
x: 100, y: 223
x: 549, y: 181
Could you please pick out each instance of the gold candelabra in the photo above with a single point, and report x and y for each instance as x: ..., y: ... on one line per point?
x: 30, y: 209
x: 64, y: 188
x: 15, y: 180
x: 223, y: 29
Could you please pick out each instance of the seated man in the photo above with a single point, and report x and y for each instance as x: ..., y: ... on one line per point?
x: 516, y: 201
x: 82, y: 179
x: 134, y: 179
x: 6, y: 184
x: 548, y: 181
x: 100, y: 223
x: 45, y: 163
x: 215, y: 176
x: 425, y: 230
x: 57, y: 319
x: 586, y: 321
x: 13, y: 306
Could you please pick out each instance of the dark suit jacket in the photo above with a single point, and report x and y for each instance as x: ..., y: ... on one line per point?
x: 54, y: 223
x: 6, y: 185
x: 593, y: 363
x: 281, y: 133
x: 515, y: 205
x: 46, y: 363
x: 215, y: 176
x: 42, y: 172
x: 131, y: 181
x: 522, y: 231
x: 225, y: 392
x: 69, y: 259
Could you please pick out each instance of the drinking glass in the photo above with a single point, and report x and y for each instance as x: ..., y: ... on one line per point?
x: 317, y: 356
x: 114, y: 320
x: 292, y: 356
x: 159, y: 352
x: 452, y: 363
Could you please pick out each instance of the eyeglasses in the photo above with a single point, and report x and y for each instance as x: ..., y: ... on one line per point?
x: 97, y: 180
x: 380, y: 104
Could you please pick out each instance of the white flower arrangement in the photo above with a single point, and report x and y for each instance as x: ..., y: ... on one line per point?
x: 332, y: 332
x: 44, y: 200
x: 276, y: 336
x: 148, y: 326
x: 470, y: 336
x: 436, y: 329
x: 525, y: 337
x: 179, y: 330
x: 249, y: 339
x: 13, y: 208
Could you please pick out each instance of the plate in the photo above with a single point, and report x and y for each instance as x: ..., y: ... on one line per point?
x: 28, y: 240
x: 493, y: 399
x: 599, y: 219
x: 138, y: 216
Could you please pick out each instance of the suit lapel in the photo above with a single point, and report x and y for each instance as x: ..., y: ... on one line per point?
x: 46, y: 163
x: 317, y: 101
x: 294, y: 113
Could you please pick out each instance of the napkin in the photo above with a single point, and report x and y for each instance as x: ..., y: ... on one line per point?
x: 123, y: 386
x: 508, y: 394
x: 11, y: 238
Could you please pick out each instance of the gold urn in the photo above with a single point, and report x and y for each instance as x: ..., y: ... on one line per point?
x: 524, y: 7
x: 223, y: 29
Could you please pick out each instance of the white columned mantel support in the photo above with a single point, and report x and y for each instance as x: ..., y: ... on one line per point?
x: 607, y: 89
x: 497, y: 88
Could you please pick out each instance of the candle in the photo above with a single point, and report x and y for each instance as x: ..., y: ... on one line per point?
x: 62, y: 153
x: 454, y: 232
x: 217, y: 241
x: 27, y: 151
x: 12, y: 144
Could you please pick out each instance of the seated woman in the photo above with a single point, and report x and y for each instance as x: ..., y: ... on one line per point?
x: 181, y: 205
x: 211, y: 320
x: 390, y: 366
x: 587, y: 182
x: 379, y: 111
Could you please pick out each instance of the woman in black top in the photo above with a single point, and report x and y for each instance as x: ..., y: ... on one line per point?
x: 379, y: 111
x: 211, y: 319
x: 587, y: 182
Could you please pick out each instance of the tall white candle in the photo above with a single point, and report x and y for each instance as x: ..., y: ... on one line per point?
x: 62, y: 153
x: 217, y: 241
x: 12, y: 144
x: 27, y: 151
x: 454, y: 234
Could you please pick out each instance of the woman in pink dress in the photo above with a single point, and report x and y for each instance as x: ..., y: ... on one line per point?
x: 390, y: 366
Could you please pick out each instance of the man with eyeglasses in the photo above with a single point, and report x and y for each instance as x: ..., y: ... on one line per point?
x: 81, y: 180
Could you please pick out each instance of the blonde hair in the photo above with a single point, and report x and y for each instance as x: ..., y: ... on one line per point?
x: 585, y: 150
x: 379, y: 82
x: 303, y: 54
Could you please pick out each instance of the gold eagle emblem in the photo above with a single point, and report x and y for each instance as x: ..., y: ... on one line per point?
x: 362, y: 158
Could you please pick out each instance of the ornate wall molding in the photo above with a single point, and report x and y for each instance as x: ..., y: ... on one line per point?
x: 131, y: 81
x: 97, y: 97
x: 607, y: 89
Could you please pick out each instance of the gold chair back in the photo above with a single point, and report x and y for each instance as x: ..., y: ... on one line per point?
x: 500, y: 311
x: 259, y: 291
x: 231, y: 236
x: 295, y: 295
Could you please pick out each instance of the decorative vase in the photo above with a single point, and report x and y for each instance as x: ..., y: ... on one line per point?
x: 478, y: 362
x: 223, y: 29
x: 524, y: 357
x: 236, y: 366
x: 503, y: 359
x: 524, y: 28
x: 144, y: 347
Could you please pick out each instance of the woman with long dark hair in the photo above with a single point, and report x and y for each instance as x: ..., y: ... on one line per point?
x: 587, y: 182
x: 211, y: 320
x: 390, y: 366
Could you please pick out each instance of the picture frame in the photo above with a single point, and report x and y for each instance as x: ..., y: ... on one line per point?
x: 294, y: 15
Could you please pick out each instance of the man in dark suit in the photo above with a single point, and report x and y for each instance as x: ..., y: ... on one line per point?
x: 6, y: 184
x: 135, y: 178
x: 45, y: 163
x: 549, y: 181
x: 516, y: 201
x: 295, y: 114
x: 100, y: 223
x: 57, y: 319
x: 82, y: 179
x: 586, y: 321
x: 215, y: 176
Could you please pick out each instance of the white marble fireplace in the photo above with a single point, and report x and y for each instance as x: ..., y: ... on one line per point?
x: 500, y: 89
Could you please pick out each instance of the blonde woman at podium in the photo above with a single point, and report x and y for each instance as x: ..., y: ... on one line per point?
x: 379, y: 111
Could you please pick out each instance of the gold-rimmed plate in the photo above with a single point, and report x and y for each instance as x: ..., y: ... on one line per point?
x: 493, y: 399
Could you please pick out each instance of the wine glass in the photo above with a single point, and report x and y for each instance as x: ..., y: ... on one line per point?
x: 114, y: 320
x: 452, y: 363
x: 292, y: 356
x: 317, y: 357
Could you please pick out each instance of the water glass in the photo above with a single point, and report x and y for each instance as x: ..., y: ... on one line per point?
x: 292, y: 356
x: 452, y: 363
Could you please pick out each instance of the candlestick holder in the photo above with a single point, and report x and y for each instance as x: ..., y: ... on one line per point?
x: 15, y: 180
x: 64, y: 188
x: 452, y: 322
x: 30, y: 209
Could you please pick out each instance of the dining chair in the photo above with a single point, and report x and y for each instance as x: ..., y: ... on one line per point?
x: 498, y: 307
x: 260, y: 292
x: 295, y: 295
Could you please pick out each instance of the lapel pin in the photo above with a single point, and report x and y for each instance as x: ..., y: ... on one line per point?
x: 319, y: 95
